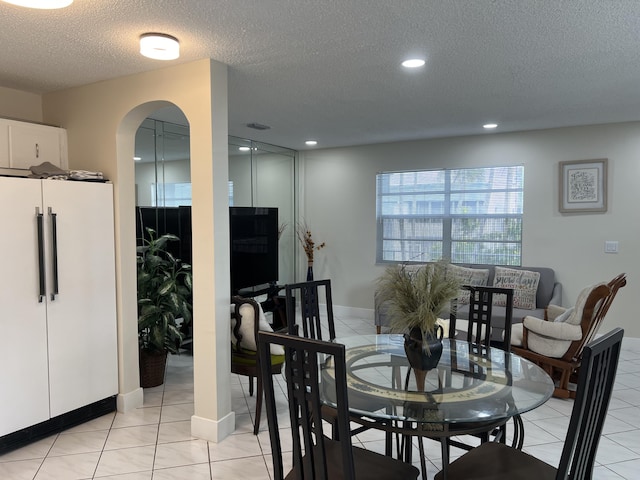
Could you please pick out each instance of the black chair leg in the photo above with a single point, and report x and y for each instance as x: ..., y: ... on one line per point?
x: 423, y: 462
x: 259, y: 395
x: 444, y: 443
x: 251, y: 386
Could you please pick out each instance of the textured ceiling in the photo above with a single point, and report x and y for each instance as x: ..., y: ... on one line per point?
x: 329, y: 69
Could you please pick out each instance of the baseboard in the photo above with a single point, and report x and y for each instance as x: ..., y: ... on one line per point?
x: 57, y: 424
x: 127, y: 402
x: 212, y: 430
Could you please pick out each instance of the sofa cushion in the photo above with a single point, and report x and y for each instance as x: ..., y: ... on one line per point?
x: 563, y: 316
x: 576, y: 316
x: 550, y: 339
x: 546, y: 285
x: 524, y: 284
x: 468, y: 276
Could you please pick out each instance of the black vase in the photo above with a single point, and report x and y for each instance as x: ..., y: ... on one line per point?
x: 310, y: 273
x: 420, y: 358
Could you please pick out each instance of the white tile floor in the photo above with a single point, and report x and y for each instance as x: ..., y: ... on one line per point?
x: 154, y: 442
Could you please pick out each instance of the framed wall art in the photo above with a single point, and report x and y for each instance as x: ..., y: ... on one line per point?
x: 583, y: 186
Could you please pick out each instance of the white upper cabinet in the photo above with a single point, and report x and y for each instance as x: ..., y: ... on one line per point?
x: 24, y: 145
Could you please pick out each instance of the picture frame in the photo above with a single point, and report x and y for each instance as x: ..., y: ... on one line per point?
x: 583, y: 186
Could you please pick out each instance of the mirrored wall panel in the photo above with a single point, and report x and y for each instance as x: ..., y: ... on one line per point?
x: 263, y: 175
x: 260, y: 175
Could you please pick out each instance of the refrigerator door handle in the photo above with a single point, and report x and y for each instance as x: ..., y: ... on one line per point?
x: 54, y: 249
x: 41, y: 273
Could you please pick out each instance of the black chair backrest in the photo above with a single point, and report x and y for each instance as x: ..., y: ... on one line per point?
x: 595, y: 385
x: 303, y: 358
x: 480, y: 316
x: 310, y: 295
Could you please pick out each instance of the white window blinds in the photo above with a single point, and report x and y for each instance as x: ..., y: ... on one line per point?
x: 471, y: 215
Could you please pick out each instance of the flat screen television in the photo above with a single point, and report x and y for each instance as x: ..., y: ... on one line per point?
x: 254, y: 246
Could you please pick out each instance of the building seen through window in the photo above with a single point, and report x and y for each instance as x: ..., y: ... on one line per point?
x: 471, y: 215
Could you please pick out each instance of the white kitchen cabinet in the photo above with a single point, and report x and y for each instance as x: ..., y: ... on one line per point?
x: 57, y: 299
x: 23, y: 145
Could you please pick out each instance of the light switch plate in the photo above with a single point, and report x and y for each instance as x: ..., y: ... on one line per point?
x: 611, y: 246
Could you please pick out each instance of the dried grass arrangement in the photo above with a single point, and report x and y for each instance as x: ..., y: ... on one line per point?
x: 417, y: 295
x: 306, y: 239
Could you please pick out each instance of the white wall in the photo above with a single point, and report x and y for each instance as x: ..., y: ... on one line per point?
x: 339, y: 198
x: 175, y: 171
x: 20, y: 105
x: 101, y: 120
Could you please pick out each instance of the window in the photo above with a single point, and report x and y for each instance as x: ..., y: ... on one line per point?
x: 471, y: 215
x: 170, y: 194
x: 178, y: 194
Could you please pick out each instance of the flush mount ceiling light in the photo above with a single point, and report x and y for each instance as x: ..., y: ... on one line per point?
x: 311, y: 142
x: 159, y: 46
x: 489, y: 126
x: 41, y: 4
x: 413, y: 63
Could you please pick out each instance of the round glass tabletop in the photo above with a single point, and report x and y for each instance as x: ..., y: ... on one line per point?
x: 468, y: 385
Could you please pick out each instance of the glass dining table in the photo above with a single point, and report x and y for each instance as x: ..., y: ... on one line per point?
x: 472, y: 390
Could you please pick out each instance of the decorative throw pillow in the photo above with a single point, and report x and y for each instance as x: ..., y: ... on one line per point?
x: 524, y: 284
x: 246, y: 328
x: 467, y: 276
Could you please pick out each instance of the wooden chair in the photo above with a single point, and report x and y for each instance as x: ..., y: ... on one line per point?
x: 564, y: 369
x: 315, y: 456
x: 596, y: 377
x: 246, y: 361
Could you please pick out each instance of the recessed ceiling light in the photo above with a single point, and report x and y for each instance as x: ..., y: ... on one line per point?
x: 311, y: 142
x: 489, y: 126
x: 413, y: 63
x: 137, y: 159
x: 41, y: 4
x: 244, y: 149
x: 159, y: 46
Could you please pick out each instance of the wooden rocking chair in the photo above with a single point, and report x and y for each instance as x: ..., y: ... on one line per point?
x: 564, y: 368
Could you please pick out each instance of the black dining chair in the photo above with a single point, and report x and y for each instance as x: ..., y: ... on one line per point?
x: 478, y: 333
x: 595, y: 385
x: 314, y: 455
x: 479, y: 326
x: 316, y: 321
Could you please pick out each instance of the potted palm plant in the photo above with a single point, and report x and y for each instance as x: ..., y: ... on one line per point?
x: 415, y: 297
x: 164, y: 297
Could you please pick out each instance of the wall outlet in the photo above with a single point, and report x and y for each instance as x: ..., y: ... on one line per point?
x: 611, y: 246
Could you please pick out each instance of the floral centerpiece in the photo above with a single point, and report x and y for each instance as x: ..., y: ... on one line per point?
x: 415, y: 296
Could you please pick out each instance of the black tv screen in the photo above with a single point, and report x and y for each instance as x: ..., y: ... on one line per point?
x: 254, y: 246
